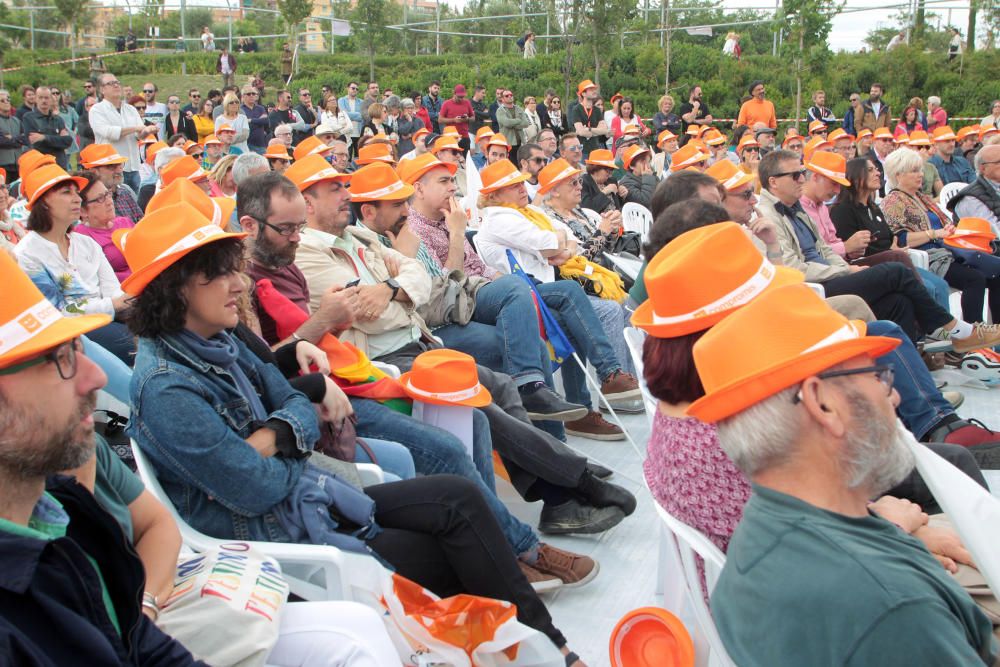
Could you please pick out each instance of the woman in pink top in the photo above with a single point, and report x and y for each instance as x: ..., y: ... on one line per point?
x: 98, y: 221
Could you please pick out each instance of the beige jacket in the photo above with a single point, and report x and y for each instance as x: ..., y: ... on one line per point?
x: 325, y: 267
x: 791, y: 252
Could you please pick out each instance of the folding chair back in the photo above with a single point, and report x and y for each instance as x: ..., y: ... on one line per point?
x: 634, y: 338
x: 948, y: 192
x: 637, y: 218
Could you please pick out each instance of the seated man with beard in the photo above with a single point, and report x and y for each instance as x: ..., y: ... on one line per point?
x: 809, y: 418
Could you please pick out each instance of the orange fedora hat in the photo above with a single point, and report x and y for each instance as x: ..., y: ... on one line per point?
x: 163, y: 237
x: 584, y: 85
x: 919, y: 138
x: 729, y: 175
x: 42, y: 179
x: 746, y: 141
x: 375, y: 153
x: 665, y: 135
x: 155, y: 148
x: 499, y: 175
x: 943, y: 133
x: 816, y: 126
x: 688, y: 294
x: 498, y: 139
x: 311, y: 170
x: 964, y: 132
x: 276, y: 150
x: 32, y: 160
x: 686, y: 156
x: 445, y: 377
x: 378, y: 182
x: 555, y: 173
x: 972, y: 234
x: 421, y: 133
x: 410, y: 171
x: 987, y: 129
x: 219, y: 210
x: 651, y: 636
x: 183, y: 167
x: 29, y: 323
x: 831, y: 165
x: 450, y: 131
x: 882, y: 133
x: 714, y: 138
x: 863, y: 134
x: 631, y: 153
x: 839, y: 135
x: 815, y: 144
x: 211, y: 140
x: 901, y: 139
x: 741, y: 361
x: 311, y: 146
x: 100, y: 155
x: 483, y: 133
x: 602, y: 157
x: 445, y: 144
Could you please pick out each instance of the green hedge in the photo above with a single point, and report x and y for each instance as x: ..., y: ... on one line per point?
x: 635, y: 71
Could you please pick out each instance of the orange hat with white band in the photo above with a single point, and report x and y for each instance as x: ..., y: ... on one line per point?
x: 498, y: 139
x: 746, y: 142
x: 585, y: 85
x: 901, y: 139
x: 817, y: 126
x: 697, y: 130
x: 29, y: 324
x: 375, y: 153
x: 153, y: 149
x: 31, y: 160
x: 378, y: 182
x: 445, y: 377
x: 484, y: 132
x: 450, y: 131
x: 919, y: 138
x: 219, y: 210
x: 311, y: 170
x: 100, y: 155
x: 381, y: 138
x: 790, y: 133
x: 987, y: 129
x: 631, y: 153
x: 729, y: 175
x: 602, y: 157
x: 225, y: 127
x: 943, y: 133
x: 864, y: 134
x: 148, y: 139
x: 686, y: 156
x: 964, y: 132
x: 311, y: 146
x: 445, y: 144
x: 276, y: 150
x: 422, y: 132
x: 500, y: 175
x: 163, y: 237
x: 839, y: 135
x: 42, y: 179
x: 182, y: 167
x: 688, y: 294
x: 882, y: 133
x: 831, y: 165
x: 555, y: 173
x: 714, y: 138
x: 211, y: 140
x: 972, y: 234
x: 741, y: 362
x: 410, y: 171
x: 631, y: 130
x: 665, y: 135
x: 817, y: 143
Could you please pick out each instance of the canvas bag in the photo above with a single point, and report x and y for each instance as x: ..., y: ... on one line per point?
x: 226, y: 605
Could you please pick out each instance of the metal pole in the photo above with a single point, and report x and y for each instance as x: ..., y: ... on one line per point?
x: 774, y: 34
x: 405, y: 12
x: 548, y: 32
x: 183, y: 11
x: 437, y: 27
x: 663, y: 19
x: 31, y: 16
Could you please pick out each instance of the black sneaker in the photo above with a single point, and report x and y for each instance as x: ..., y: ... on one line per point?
x: 543, y: 403
x: 987, y: 455
x: 605, y: 494
x: 574, y: 517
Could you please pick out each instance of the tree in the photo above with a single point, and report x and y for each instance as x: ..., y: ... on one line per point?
x: 368, y: 21
x: 807, y: 23
x: 294, y: 12
x: 73, y: 13
x: 595, y: 27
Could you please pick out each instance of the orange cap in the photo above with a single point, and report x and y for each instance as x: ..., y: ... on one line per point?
x: 555, y: 173
x: 816, y: 126
x: 972, y: 234
x: 378, y: 182
x: 688, y: 294
x: 500, y: 175
x: 498, y: 139
x: 219, y: 210
x: 943, y: 133
x: 651, y: 636
x: 741, y: 362
x: 445, y: 377
x: 42, y: 179
x: 375, y: 153
x: 31, y: 160
x: 729, y: 175
x: 602, y: 157
x: 29, y: 324
x: 182, y: 167
x: 584, y: 85
x: 311, y: 170
x: 163, y: 237
x: 410, y: 171
x: 815, y: 144
x: 665, y: 135
x: 688, y: 155
x: 483, y: 132
x: 631, y: 153
x: 100, y: 155
x: 276, y: 150
x: 311, y: 146
x: 153, y: 149
x: 831, y: 165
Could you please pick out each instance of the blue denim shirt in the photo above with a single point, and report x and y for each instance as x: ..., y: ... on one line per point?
x: 191, y: 421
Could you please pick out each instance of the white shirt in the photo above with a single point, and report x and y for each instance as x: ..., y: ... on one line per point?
x: 83, y: 284
x: 107, y: 123
x: 505, y: 229
x: 157, y: 112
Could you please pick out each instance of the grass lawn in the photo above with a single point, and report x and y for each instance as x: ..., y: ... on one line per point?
x: 177, y: 84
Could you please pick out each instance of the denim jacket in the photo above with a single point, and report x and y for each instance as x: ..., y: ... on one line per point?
x: 191, y: 421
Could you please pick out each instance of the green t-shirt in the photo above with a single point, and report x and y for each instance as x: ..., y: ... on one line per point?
x: 115, y: 486
x: 804, y: 586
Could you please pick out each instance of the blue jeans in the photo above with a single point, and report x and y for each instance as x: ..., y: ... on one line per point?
x: 119, y: 374
x: 116, y: 339
x: 436, y: 451
x: 937, y: 286
x: 131, y: 179
x: 575, y: 313
x: 921, y: 405
x: 394, y: 459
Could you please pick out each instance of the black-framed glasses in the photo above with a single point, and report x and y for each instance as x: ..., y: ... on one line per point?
x: 100, y: 199
x: 63, y: 356
x: 798, y: 174
x: 305, y: 94
x: 884, y: 373
x: 148, y: 91
x: 285, y: 229
x: 748, y: 194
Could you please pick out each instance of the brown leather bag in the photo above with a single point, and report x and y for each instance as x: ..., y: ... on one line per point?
x: 341, y: 442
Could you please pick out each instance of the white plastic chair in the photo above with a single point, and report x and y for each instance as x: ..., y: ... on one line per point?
x: 948, y: 192
x: 627, y: 265
x: 593, y: 216
x: 920, y: 258
x: 637, y: 218
x: 313, y: 572
x: 819, y: 289
x: 634, y: 338
x: 688, y: 542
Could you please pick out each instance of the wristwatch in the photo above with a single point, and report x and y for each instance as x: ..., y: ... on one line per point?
x: 394, y: 286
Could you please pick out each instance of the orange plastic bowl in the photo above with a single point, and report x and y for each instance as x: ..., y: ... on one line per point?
x: 651, y: 636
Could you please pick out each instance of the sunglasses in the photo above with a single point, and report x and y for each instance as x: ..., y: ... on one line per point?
x: 798, y: 174
x: 148, y: 90
x: 140, y: 108
x: 196, y: 95
x: 748, y: 195
x: 791, y: 147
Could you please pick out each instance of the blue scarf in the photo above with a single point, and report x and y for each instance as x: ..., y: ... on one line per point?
x: 221, y: 350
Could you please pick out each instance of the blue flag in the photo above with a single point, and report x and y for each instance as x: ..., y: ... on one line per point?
x: 560, y: 349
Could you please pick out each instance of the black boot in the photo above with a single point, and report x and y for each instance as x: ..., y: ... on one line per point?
x: 604, y: 494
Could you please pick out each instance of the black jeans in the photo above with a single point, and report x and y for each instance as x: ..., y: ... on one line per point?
x: 973, y: 283
x: 528, y: 453
x: 439, y: 532
x: 894, y: 293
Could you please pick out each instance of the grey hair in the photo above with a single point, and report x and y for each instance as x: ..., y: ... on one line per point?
x: 283, y: 127
x: 165, y: 156
x: 899, y: 162
x: 407, y: 103
x: 934, y: 99
x: 977, y: 161
x: 393, y: 101
x: 762, y: 435
x: 247, y: 165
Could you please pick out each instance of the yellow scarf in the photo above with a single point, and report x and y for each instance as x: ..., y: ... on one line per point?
x: 537, y: 218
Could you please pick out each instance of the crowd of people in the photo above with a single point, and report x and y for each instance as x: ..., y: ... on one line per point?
x: 205, y: 259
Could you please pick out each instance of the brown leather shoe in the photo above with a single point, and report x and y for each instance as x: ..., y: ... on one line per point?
x: 594, y: 427
x: 983, y: 335
x: 621, y: 386
x: 539, y: 581
x: 573, y: 569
